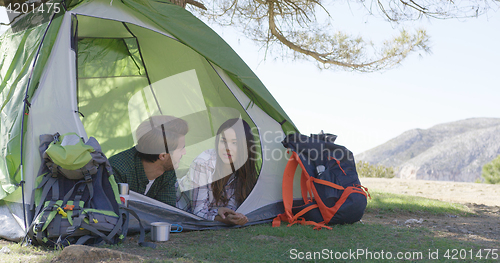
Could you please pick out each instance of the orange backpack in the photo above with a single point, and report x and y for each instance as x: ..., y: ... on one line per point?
x: 331, y: 190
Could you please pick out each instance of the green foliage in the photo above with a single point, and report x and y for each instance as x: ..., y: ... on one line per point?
x: 491, y: 171
x: 368, y: 170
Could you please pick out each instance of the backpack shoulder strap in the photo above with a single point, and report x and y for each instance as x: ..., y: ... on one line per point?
x: 142, y: 243
x: 287, y: 190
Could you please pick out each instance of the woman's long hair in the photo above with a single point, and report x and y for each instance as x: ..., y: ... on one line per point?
x: 246, y: 175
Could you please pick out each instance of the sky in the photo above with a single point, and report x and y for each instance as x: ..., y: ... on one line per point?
x: 460, y: 79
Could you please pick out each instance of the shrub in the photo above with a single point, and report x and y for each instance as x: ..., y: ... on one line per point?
x: 369, y: 170
x: 491, y: 171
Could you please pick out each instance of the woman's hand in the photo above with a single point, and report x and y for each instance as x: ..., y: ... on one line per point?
x: 228, y: 216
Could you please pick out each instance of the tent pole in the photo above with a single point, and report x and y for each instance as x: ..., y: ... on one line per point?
x: 27, y: 104
x: 150, y: 86
x: 145, y: 68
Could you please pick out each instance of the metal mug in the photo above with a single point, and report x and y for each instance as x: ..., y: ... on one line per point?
x: 123, y: 188
x: 160, y: 231
x: 124, y: 191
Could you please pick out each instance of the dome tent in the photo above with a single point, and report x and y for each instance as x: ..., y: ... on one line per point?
x: 99, y: 68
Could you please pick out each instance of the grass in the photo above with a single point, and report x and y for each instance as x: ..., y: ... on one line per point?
x: 17, y: 253
x: 396, y: 203
x: 263, y: 243
x: 266, y: 244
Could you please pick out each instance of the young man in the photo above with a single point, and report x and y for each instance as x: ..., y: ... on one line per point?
x: 148, y: 167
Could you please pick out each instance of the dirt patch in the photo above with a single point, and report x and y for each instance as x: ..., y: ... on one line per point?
x: 481, y: 227
x: 457, y: 192
x: 85, y: 254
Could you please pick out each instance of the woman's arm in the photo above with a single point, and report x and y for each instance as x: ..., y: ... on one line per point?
x: 196, y: 185
x: 230, y: 217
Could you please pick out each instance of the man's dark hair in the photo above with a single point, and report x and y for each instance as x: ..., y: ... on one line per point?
x: 150, y: 158
x: 159, y: 134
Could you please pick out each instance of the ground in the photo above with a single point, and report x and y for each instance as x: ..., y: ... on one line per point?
x: 457, y: 192
x: 482, y: 227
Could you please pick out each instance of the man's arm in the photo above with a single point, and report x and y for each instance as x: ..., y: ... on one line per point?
x: 114, y: 162
x: 118, y: 176
x: 165, y: 192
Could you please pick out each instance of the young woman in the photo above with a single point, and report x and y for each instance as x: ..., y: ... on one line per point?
x: 220, y: 179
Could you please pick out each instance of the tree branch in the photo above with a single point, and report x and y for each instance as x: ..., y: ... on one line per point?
x: 197, y: 4
x: 393, y: 55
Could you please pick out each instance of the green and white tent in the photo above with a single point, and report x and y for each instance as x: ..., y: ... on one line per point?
x: 100, y: 67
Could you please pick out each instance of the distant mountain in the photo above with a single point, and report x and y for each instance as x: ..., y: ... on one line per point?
x: 454, y: 151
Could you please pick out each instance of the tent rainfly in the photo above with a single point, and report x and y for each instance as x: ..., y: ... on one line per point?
x: 99, y: 68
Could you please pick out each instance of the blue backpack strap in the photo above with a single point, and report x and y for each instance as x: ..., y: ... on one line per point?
x: 95, y: 231
x: 54, y: 186
x: 118, y: 227
x: 48, y: 183
x: 142, y: 243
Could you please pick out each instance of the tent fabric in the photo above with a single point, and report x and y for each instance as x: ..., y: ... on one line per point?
x: 172, y: 18
x: 101, y: 68
x: 18, y: 51
x: 150, y: 210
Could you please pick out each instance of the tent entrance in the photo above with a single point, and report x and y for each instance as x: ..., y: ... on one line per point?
x: 127, y: 73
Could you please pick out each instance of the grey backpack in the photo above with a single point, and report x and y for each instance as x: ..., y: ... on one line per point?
x: 76, y: 200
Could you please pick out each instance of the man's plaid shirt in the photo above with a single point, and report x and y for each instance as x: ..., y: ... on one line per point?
x: 128, y: 168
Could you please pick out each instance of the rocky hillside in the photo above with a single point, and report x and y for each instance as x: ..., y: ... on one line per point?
x: 454, y: 151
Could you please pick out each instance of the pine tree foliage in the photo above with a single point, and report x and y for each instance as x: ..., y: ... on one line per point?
x: 291, y: 28
x: 491, y: 171
x: 366, y: 169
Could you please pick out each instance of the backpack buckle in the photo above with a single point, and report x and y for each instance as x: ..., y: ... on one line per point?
x: 79, y: 191
x: 70, y: 230
x: 88, y: 177
x: 76, y: 212
x: 38, y: 227
x: 56, y: 137
x: 61, y: 212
